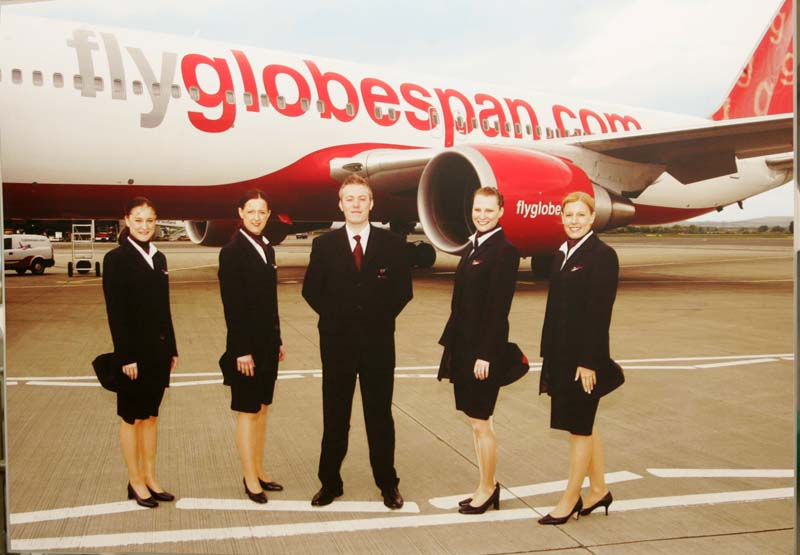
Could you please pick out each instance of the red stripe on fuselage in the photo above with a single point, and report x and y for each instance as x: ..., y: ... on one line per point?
x: 650, y: 215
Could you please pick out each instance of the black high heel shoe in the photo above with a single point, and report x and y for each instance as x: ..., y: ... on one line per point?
x: 605, y: 502
x: 259, y: 497
x: 150, y: 503
x: 465, y: 502
x: 270, y: 486
x: 161, y: 495
x: 494, y: 500
x: 576, y: 510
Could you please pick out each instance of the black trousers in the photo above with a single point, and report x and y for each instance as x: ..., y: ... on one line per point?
x: 373, y: 364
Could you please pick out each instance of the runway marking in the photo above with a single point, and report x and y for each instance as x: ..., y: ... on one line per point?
x: 451, y: 501
x: 705, y: 281
x: 75, y: 512
x: 193, y: 503
x: 731, y: 360
x: 721, y: 472
x: 706, y: 261
x: 381, y: 523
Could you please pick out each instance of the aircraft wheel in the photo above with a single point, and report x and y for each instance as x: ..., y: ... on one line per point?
x: 97, y: 271
x: 70, y: 269
x: 425, y: 254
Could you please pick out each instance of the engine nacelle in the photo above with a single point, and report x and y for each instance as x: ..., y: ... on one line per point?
x: 533, y: 185
x: 211, y: 233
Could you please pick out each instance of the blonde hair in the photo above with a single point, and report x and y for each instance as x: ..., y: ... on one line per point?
x: 490, y: 192
x: 578, y: 196
x: 355, y: 179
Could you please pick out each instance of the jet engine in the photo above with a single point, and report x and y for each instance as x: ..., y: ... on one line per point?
x: 533, y: 185
x: 211, y: 233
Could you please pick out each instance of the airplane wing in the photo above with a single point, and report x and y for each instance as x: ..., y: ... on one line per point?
x: 698, y: 153
x: 690, y: 154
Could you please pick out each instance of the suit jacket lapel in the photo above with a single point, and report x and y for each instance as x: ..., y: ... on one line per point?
x: 343, y: 248
x: 372, y: 248
x: 581, y: 253
x: 486, y: 245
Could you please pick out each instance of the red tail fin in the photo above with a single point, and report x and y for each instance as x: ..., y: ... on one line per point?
x: 765, y: 84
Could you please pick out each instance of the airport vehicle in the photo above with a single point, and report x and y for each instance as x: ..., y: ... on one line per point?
x: 93, y: 115
x: 27, y: 252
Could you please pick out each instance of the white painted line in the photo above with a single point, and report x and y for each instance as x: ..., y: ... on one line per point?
x: 380, y: 523
x: 59, y: 378
x: 721, y: 472
x: 63, y: 384
x: 737, y: 363
x: 637, y: 367
x: 75, y: 512
x: 451, y: 501
x: 266, y: 531
x: 702, y: 499
x: 191, y: 503
x: 12, y: 383
x: 415, y: 376
x: 195, y: 382
x: 290, y: 377
x: 689, y: 359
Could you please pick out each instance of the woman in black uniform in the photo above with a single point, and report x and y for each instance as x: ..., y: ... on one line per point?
x: 136, y: 289
x: 476, y: 334
x: 577, y: 368
x: 248, y: 282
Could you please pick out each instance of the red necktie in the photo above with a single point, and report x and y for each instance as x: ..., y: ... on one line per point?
x: 358, y: 252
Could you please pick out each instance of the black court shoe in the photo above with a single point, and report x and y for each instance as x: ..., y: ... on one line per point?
x: 605, y: 502
x: 494, y: 500
x: 161, y: 495
x: 259, y: 497
x: 270, y: 486
x: 465, y: 502
x: 576, y: 510
x: 150, y: 503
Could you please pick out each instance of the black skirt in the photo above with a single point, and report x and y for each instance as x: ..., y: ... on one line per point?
x: 475, y: 398
x: 248, y: 393
x: 141, y: 398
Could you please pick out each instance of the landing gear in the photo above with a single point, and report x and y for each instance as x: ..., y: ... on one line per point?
x: 420, y: 255
x: 540, y: 265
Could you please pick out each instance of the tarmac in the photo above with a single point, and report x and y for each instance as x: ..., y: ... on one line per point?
x: 699, y: 441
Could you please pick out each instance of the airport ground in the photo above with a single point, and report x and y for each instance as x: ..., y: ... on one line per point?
x: 699, y: 441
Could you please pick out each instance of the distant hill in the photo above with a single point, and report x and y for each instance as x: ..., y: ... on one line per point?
x: 769, y: 221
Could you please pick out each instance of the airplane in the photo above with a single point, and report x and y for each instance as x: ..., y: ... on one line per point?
x: 91, y: 116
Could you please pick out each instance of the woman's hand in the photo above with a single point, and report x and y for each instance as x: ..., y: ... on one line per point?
x: 131, y: 370
x: 246, y: 365
x: 173, y: 364
x: 587, y: 377
x: 481, y: 369
x: 281, y: 354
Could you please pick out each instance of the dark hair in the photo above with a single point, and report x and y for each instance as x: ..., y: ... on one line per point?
x: 490, y: 192
x: 135, y: 202
x: 253, y: 194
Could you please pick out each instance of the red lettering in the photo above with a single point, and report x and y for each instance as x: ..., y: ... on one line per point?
x: 209, y: 100
x: 417, y: 123
x: 558, y: 111
x: 447, y: 112
x: 496, y: 110
x: 388, y: 96
x: 322, y: 81
x: 514, y: 106
x: 270, y: 76
x: 248, y: 79
x: 626, y: 121
x: 585, y: 115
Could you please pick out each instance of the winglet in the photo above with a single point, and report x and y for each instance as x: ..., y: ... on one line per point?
x: 764, y: 86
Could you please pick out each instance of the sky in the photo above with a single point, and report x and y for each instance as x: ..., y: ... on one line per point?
x: 673, y: 55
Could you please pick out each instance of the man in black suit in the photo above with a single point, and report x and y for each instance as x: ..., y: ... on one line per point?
x: 358, y: 281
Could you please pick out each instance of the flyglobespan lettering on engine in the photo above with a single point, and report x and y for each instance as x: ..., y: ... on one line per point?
x: 288, y: 91
x: 535, y: 209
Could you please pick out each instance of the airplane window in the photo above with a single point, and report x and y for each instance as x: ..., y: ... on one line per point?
x: 460, y: 121
x: 378, y: 112
x: 155, y: 88
x: 550, y: 133
x: 305, y: 104
x: 37, y: 78
x: 16, y: 76
x: 137, y: 87
x: 392, y: 114
x: 116, y: 85
x: 281, y: 101
x: 434, y: 118
x: 497, y: 125
x: 538, y: 130
x: 578, y: 132
x: 264, y: 100
x: 518, y: 129
x: 194, y: 92
x: 320, y: 106
x: 77, y: 81
x: 528, y: 129
x: 229, y: 97
x: 7, y: 244
x: 176, y: 91
x: 508, y: 127
x: 485, y: 124
x: 558, y: 133
x: 350, y: 109
x: 98, y: 83
x: 248, y: 99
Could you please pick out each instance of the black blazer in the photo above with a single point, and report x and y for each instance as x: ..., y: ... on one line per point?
x: 249, y: 289
x: 482, y: 294
x: 350, y: 302
x: 137, y: 304
x: 578, y: 316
